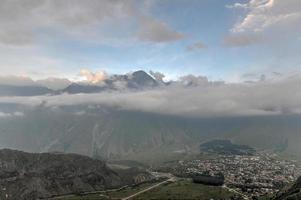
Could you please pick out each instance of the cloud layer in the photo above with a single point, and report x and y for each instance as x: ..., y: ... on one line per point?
x: 51, y: 83
x: 204, y: 99
x: 263, y: 14
x: 25, y: 22
x: 271, y: 21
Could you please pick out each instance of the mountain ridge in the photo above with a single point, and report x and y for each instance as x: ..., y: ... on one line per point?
x: 137, y: 80
x: 30, y: 176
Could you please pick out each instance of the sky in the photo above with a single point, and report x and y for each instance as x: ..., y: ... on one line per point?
x: 231, y: 40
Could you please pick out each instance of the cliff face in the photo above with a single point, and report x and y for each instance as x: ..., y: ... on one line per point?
x: 32, y: 176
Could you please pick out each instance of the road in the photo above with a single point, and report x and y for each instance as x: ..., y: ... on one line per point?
x: 171, y: 179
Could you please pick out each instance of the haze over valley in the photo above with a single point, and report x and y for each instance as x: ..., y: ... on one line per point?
x: 94, y: 119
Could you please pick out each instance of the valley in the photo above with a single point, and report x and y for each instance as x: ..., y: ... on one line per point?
x: 150, y: 100
x: 73, y: 177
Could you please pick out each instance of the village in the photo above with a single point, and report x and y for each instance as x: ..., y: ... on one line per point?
x: 252, y: 175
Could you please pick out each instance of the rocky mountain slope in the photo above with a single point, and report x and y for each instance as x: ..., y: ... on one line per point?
x: 291, y: 193
x: 136, y: 81
x: 111, y: 133
x: 32, y: 175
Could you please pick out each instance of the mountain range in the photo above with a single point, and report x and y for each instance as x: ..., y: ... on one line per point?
x: 110, y: 133
x: 95, y: 125
x: 134, y: 81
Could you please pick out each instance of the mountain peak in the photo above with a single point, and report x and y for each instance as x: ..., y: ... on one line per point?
x: 141, y: 72
x: 141, y: 79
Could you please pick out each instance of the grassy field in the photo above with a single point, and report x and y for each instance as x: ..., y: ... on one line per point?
x: 186, y: 190
x: 182, y: 189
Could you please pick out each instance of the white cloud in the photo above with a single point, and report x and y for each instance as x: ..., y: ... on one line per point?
x: 237, y: 5
x: 158, y: 76
x: 191, y: 80
x: 26, y: 22
x: 264, y: 14
x: 51, y: 83
x: 54, y: 83
x: 203, y: 100
x: 155, y: 31
x: 239, y: 40
x: 16, y: 80
x: 31, y: 32
x: 18, y: 114
x: 15, y: 114
x: 27, y: 61
x: 93, y: 78
x: 273, y: 23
